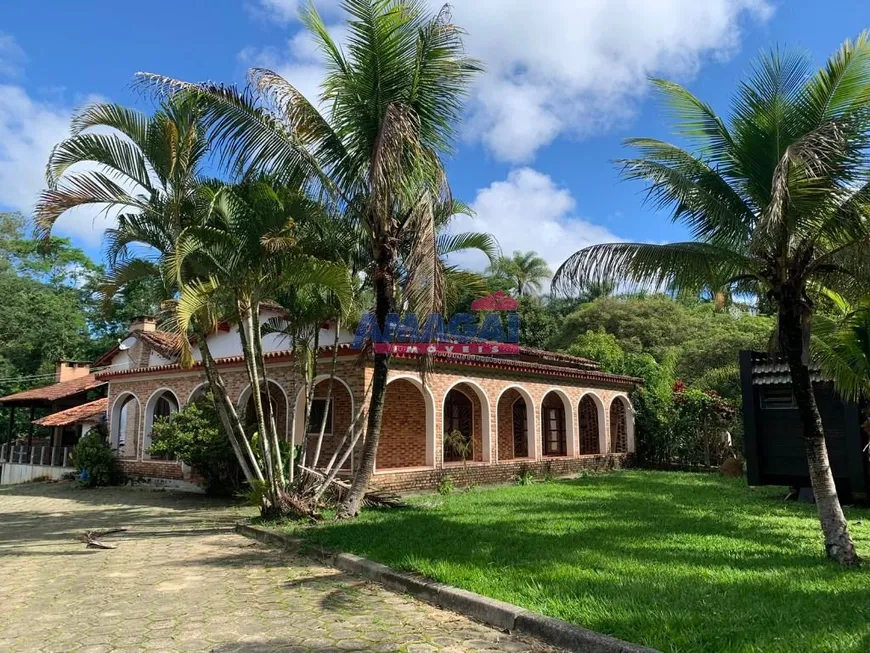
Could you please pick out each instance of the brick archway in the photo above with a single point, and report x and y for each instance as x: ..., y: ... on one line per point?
x: 161, y: 403
x: 481, y: 420
x: 280, y: 406
x: 556, y: 434
x: 408, y: 427
x: 124, y: 425
x: 590, y: 417
x: 339, y: 419
x: 515, y: 412
x: 619, y: 425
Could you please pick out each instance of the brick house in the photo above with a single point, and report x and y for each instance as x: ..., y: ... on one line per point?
x: 537, y: 410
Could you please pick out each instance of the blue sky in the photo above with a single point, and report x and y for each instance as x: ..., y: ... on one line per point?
x: 565, y: 83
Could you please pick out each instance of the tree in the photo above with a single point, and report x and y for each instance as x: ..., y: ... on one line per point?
x: 147, y: 170
x: 523, y: 272
x: 194, y: 435
x: 777, y: 198
x: 705, y: 342
x: 394, y: 95
x: 538, y: 324
x: 44, y: 308
x: 247, y: 248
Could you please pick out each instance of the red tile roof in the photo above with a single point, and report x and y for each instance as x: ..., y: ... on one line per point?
x: 164, y: 343
x: 556, y: 357
x: 282, y: 354
x: 76, y: 414
x: 56, y: 391
x: 582, y: 368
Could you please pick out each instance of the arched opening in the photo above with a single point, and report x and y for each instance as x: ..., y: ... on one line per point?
x: 618, y: 426
x: 337, y: 409
x: 278, y: 402
x: 124, y: 425
x: 460, y: 430
x: 554, y: 426
x: 198, y: 392
x: 408, y: 426
x: 590, y: 414
x: 516, y: 425
x: 161, y: 405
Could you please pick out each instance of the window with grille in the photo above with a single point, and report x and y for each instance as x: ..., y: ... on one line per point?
x: 588, y: 426
x: 521, y: 429
x: 555, y: 443
x: 458, y: 414
x: 618, y: 427
x: 318, y: 408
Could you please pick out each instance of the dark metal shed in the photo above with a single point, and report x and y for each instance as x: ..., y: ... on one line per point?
x: 773, y: 437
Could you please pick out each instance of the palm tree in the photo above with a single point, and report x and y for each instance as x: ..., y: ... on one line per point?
x: 394, y: 95
x: 145, y: 169
x: 148, y: 171
x: 525, y: 272
x: 248, y: 247
x: 777, y: 198
x: 596, y: 289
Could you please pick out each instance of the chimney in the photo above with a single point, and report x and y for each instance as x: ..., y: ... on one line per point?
x: 69, y: 370
x: 143, y: 323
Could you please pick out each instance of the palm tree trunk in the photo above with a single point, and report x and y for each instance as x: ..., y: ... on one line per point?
x: 309, y: 373
x: 229, y: 417
x: 383, y: 304
x: 328, y: 394
x: 794, y: 314
x: 268, y: 413
x: 245, y: 334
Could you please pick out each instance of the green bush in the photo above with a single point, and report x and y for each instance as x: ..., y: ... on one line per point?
x: 524, y: 477
x: 445, y: 486
x: 95, y: 461
x: 195, y: 436
x: 674, y: 424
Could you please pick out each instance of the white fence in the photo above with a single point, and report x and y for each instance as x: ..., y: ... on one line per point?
x: 19, y: 464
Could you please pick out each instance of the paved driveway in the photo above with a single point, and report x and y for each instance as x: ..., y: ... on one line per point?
x: 180, y: 580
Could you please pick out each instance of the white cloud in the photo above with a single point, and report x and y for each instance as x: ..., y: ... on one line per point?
x: 570, y: 68
x: 29, y: 129
x: 529, y: 211
x: 12, y: 57
x: 284, y: 11
x: 300, y: 61
x: 565, y: 68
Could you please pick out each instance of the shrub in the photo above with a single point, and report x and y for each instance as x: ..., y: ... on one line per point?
x: 445, y: 486
x: 195, y: 436
x: 524, y: 477
x: 461, y: 445
x: 95, y: 461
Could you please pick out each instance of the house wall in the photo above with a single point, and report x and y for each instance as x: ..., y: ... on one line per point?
x: 404, y: 422
x: 227, y: 343
x: 283, y: 377
x: 410, y: 455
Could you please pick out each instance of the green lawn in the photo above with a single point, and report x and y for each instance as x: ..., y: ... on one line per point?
x: 680, y: 562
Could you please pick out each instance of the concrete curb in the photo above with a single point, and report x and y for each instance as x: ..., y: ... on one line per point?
x: 498, y: 614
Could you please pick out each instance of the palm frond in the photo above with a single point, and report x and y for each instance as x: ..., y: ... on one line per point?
x: 675, y: 266
x: 483, y: 242
x: 842, y: 349
x: 696, y: 121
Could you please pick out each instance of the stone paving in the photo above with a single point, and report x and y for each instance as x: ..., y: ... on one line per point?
x: 180, y: 580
